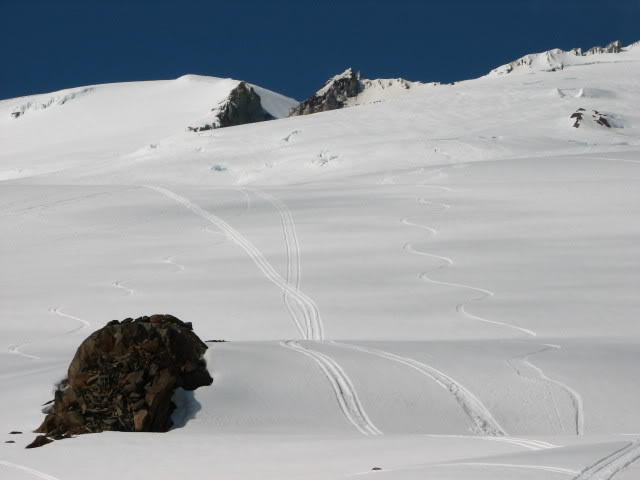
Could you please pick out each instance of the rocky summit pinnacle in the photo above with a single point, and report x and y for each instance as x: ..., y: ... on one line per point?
x: 332, y: 96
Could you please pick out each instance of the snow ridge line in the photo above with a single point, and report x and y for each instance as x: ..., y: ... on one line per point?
x: 460, y: 308
x: 576, y: 398
x: 342, y: 386
x: 312, y: 318
x: 250, y: 249
x: 608, y: 467
x: 484, y: 423
x: 28, y: 470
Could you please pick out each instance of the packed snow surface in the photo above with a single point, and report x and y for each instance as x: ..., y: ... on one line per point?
x: 440, y: 285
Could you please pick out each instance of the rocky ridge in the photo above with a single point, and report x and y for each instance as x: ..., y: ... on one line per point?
x: 349, y: 89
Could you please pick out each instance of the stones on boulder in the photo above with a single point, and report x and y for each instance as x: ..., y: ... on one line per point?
x: 39, y: 441
x: 123, y: 377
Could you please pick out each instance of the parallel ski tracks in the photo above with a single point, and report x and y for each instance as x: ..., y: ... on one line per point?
x: 609, y: 466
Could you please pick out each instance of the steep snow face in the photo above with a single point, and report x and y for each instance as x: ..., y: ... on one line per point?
x: 558, y: 59
x: 106, y: 121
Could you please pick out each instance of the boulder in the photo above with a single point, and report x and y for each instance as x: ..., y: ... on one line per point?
x: 123, y: 377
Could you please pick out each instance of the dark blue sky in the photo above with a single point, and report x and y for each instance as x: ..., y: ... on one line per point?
x: 288, y: 46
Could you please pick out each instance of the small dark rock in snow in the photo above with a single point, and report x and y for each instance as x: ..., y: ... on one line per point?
x: 376, y: 468
x: 40, y: 441
x: 15, y: 432
x: 9, y: 441
x: 123, y: 377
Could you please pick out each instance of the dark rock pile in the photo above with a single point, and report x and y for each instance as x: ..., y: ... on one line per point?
x: 123, y: 377
x: 241, y: 107
x: 332, y: 96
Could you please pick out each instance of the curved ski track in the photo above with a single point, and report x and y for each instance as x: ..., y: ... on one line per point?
x: 483, y: 422
x: 119, y: 284
x: 343, y: 387
x: 608, y: 467
x: 170, y: 261
x: 547, y: 382
x: 250, y: 249
x: 314, y: 329
x: 15, y: 349
x: 460, y: 308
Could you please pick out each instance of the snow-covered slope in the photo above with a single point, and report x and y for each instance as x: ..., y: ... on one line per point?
x: 47, y: 132
x: 442, y: 284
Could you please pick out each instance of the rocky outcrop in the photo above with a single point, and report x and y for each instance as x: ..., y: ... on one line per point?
x: 332, y: 96
x: 123, y: 377
x: 613, y: 47
x: 349, y: 90
x: 242, y: 106
x: 580, y: 116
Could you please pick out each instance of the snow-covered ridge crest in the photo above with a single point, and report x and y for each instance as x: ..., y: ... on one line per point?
x: 42, y: 102
x: 557, y: 59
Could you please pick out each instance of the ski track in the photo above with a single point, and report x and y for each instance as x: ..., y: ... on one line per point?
x: 609, y: 466
x: 119, y: 284
x: 15, y: 349
x: 250, y: 249
x: 342, y: 386
x: 547, y: 382
x: 522, y: 442
x: 483, y: 422
x: 544, y: 468
x: 314, y: 328
x: 460, y: 308
x: 170, y: 261
x: 31, y: 471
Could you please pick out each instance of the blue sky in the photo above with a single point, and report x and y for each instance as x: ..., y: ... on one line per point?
x: 288, y: 46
